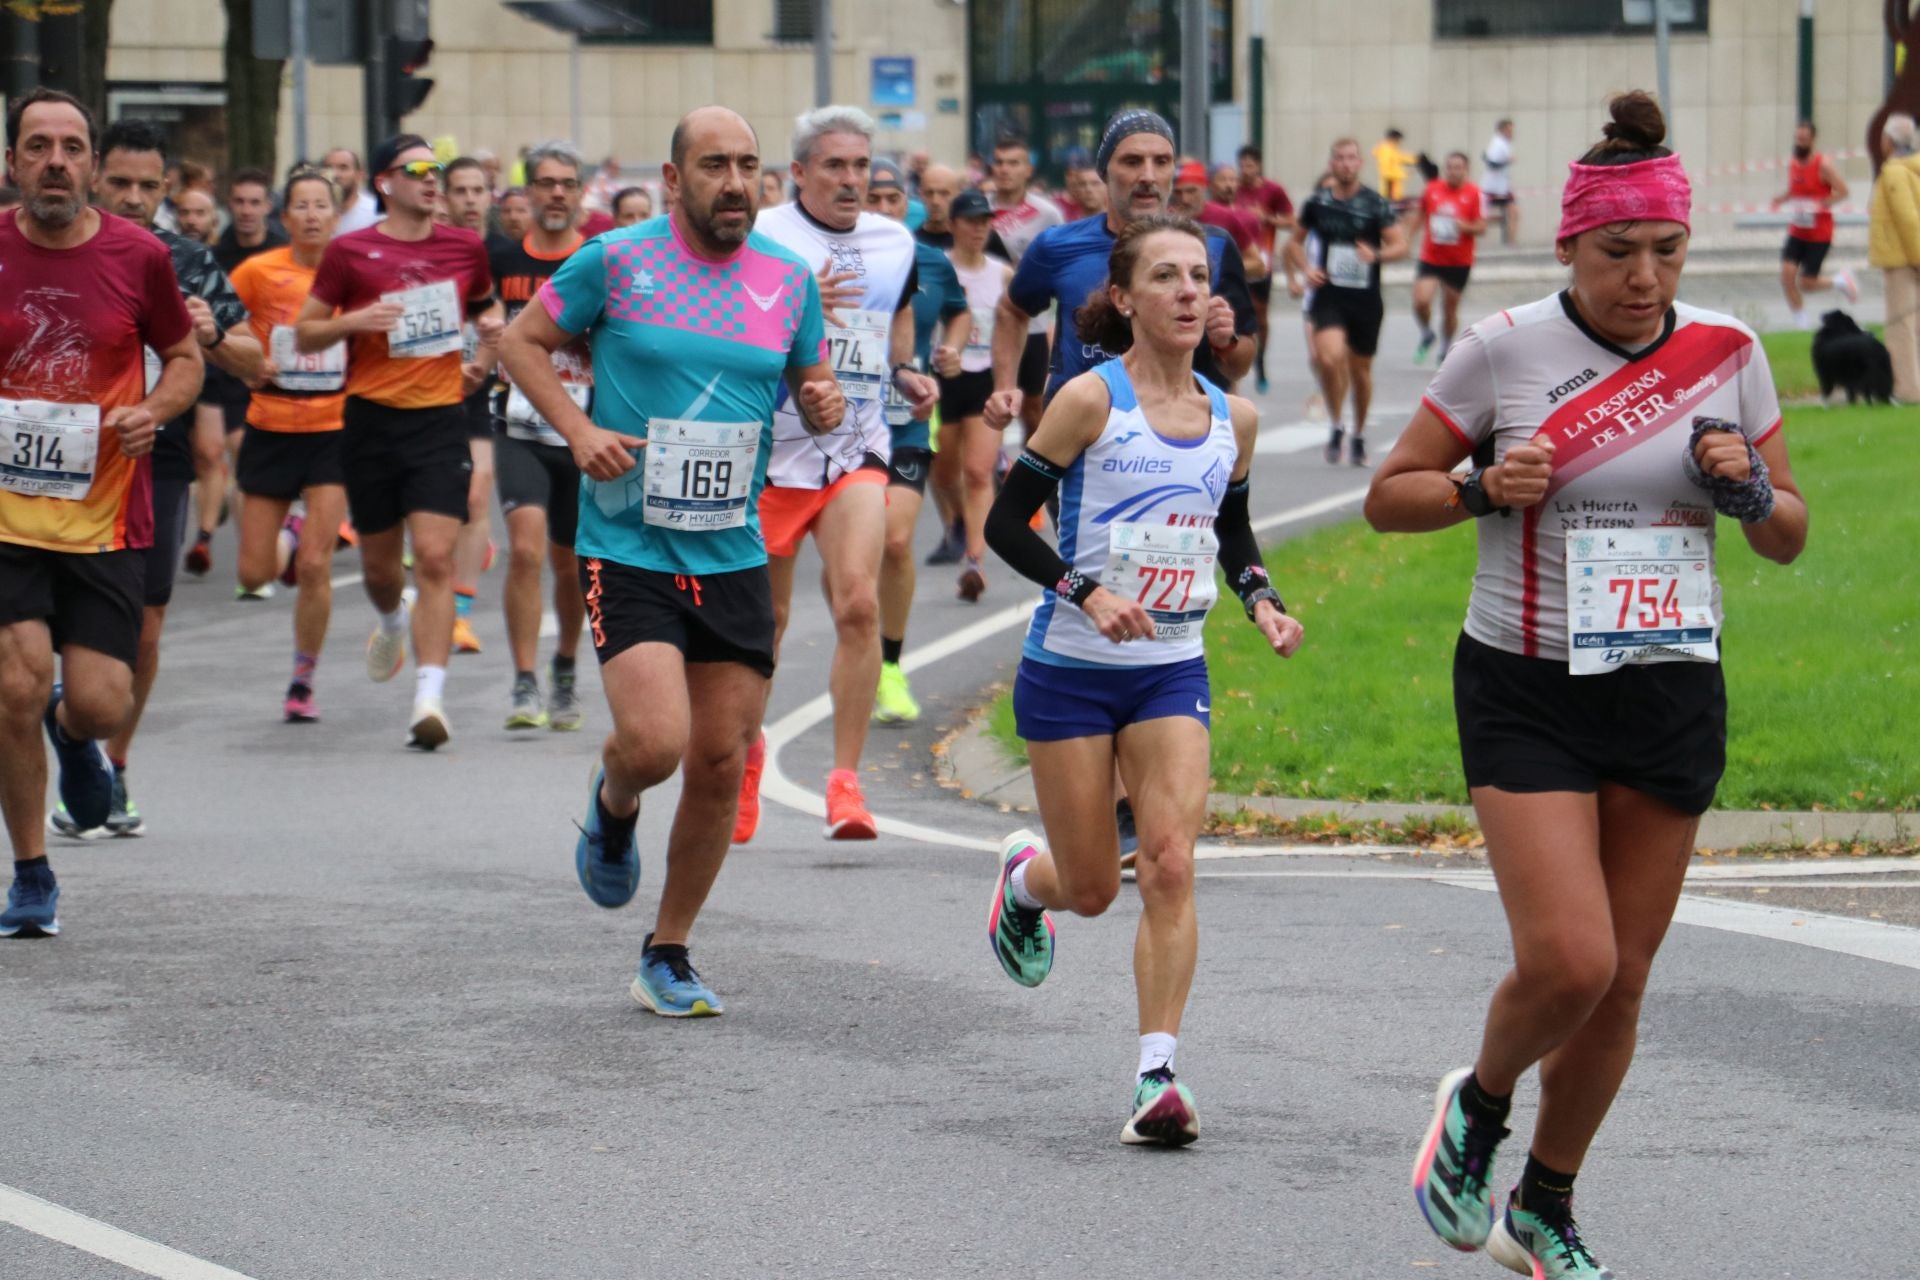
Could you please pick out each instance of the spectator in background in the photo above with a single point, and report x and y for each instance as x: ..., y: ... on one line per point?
x: 1893, y: 245
x: 357, y: 208
x: 631, y: 205
x: 1496, y: 181
x: 516, y: 214
x: 772, y: 190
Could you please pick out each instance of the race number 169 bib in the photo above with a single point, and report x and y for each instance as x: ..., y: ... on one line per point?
x: 699, y: 474
x: 48, y: 450
x: 1638, y: 596
x: 1168, y: 570
x: 858, y: 352
x: 1345, y: 269
x: 429, y: 323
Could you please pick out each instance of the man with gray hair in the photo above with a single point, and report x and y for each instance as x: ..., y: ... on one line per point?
x: 1893, y: 245
x: 538, y: 480
x: 834, y: 485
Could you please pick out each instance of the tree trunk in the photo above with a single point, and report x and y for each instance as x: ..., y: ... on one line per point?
x: 253, y: 95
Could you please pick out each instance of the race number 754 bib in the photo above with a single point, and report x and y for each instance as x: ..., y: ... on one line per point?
x: 48, y: 450
x: 1639, y: 596
x: 1169, y: 571
x: 699, y: 474
x: 858, y: 353
x: 429, y: 323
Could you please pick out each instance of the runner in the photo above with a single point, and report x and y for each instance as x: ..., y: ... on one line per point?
x: 631, y: 205
x: 1086, y: 186
x: 398, y: 292
x: 1020, y: 215
x: 359, y: 209
x: 1814, y: 187
x: 938, y: 304
x: 1113, y: 671
x: 292, y: 449
x: 1267, y: 201
x: 1593, y: 740
x: 673, y: 563
x: 1496, y: 181
x: 81, y: 294
x: 963, y: 398
x: 833, y: 485
x: 516, y: 214
x: 939, y: 184
x: 539, y: 482
x: 1450, y: 217
x: 1357, y: 231
x: 129, y: 184
x: 469, y: 204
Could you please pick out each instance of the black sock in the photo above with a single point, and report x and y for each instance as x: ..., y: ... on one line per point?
x: 890, y: 649
x: 647, y: 947
x: 206, y: 535
x: 526, y: 677
x: 33, y: 868
x: 1542, y: 1188
x: 614, y: 831
x: 562, y: 664
x: 1481, y: 1105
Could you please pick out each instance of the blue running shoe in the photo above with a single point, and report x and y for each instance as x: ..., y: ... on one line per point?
x: 1451, y: 1172
x: 86, y: 777
x: 1545, y: 1245
x: 610, y: 876
x: 667, y: 984
x: 1164, y: 1113
x: 31, y: 907
x: 1123, y: 821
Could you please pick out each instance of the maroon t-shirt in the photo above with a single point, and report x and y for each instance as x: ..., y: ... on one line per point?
x: 1265, y: 198
x: 1244, y: 229
x: 74, y: 325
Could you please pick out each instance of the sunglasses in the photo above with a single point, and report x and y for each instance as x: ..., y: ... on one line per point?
x: 420, y: 170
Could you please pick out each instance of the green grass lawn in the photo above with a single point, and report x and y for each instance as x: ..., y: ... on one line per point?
x: 1790, y: 356
x: 1823, y: 656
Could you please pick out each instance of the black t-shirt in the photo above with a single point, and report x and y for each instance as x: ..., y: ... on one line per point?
x: 1341, y: 224
x: 230, y: 253
x: 518, y: 273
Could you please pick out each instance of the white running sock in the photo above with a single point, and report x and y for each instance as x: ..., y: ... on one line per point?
x: 428, y: 683
x: 394, y: 623
x: 1020, y: 894
x: 1156, y: 1050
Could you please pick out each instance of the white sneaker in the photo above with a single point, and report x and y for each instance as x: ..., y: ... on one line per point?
x: 387, y: 654
x: 1849, y: 287
x: 1802, y: 320
x: 430, y: 727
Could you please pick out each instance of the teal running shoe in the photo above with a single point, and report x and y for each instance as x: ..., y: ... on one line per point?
x: 667, y: 984
x: 1450, y: 1175
x: 609, y: 874
x: 1022, y: 939
x: 1546, y: 1245
x: 123, y: 819
x: 32, y: 906
x: 1164, y: 1113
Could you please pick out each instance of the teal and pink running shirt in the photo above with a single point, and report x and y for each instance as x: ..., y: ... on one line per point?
x: 689, y: 353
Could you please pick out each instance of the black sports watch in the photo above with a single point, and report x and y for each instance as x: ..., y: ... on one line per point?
x: 1470, y: 492
x: 1264, y: 593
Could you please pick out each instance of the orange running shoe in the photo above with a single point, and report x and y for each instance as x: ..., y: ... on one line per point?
x: 748, y: 820
x: 847, y: 816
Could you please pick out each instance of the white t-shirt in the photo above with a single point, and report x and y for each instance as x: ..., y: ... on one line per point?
x: 1621, y: 424
x: 358, y: 216
x: 1019, y: 225
x: 1497, y: 178
x: 984, y: 285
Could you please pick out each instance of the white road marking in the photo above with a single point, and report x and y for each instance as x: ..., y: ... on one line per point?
x: 89, y: 1235
x: 1298, y: 437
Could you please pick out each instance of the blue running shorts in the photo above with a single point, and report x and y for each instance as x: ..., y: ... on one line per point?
x: 1054, y: 703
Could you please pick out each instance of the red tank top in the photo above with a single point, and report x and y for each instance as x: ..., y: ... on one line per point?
x: 1804, y: 183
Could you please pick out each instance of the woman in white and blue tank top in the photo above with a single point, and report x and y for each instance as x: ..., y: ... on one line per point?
x: 1150, y: 462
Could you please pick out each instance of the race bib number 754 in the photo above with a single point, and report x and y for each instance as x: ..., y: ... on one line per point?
x: 1638, y: 596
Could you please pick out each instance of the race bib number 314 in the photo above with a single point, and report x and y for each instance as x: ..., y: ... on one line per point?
x: 48, y: 450
x: 1638, y: 596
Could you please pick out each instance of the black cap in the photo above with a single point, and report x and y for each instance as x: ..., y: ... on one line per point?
x: 383, y: 157
x: 970, y: 204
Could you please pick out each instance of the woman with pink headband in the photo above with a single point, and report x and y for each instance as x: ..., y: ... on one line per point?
x: 1593, y: 438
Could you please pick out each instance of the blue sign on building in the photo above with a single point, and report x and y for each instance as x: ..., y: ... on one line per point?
x: 893, y: 82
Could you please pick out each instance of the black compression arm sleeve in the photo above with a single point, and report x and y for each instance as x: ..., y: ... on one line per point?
x: 1239, y: 549
x: 1010, y: 532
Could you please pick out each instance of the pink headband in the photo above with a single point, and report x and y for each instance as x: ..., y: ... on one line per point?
x: 1644, y: 191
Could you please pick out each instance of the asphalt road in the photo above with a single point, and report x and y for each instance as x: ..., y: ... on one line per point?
x: 344, y: 1015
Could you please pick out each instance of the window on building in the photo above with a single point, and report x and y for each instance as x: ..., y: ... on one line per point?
x: 644, y: 22
x: 1506, y: 19
x: 793, y: 20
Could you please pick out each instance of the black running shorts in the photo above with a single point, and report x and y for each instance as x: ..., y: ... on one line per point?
x: 1810, y: 254
x: 907, y: 467
x: 530, y: 474
x: 90, y: 600
x: 965, y: 396
x: 284, y: 464
x: 170, y: 504
x: 1455, y: 278
x: 1358, y: 311
x: 402, y: 461
x: 714, y: 617
x: 1529, y: 725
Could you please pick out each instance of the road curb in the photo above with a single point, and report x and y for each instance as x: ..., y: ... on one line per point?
x: 974, y: 765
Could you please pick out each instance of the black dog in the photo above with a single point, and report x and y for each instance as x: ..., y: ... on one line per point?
x: 1845, y: 355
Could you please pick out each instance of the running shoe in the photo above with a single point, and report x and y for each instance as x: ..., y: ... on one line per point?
x: 31, y: 907
x: 61, y: 823
x: 86, y: 775
x: 387, y: 653
x: 1848, y: 286
x: 300, y: 708
x: 429, y: 729
x: 973, y: 583
x: 1164, y: 1113
x: 1545, y: 1245
x: 527, y: 711
x: 199, y: 557
x: 1450, y: 1175
x: 262, y: 592
x: 347, y: 537
x: 1332, y: 451
x: 564, y: 713
x: 1129, y: 833
x: 1022, y: 939
x: 1425, y: 349
x: 953, y: 546
x: 123, y: 818
x: 893, y: 701
x: 486, y: 561
x: 290, y: 539
x: 847, y: 816
x: 747, y: 821
x: 1357, y: 450
x: 611, y: 876
x: 667, y: 984
x: 1260, y: 384
x: 464, y: 640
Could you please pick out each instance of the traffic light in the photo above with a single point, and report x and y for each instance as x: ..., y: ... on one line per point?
x: 405, y: 90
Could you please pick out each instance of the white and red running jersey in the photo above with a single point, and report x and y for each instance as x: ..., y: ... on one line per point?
x: 1620, y: 422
